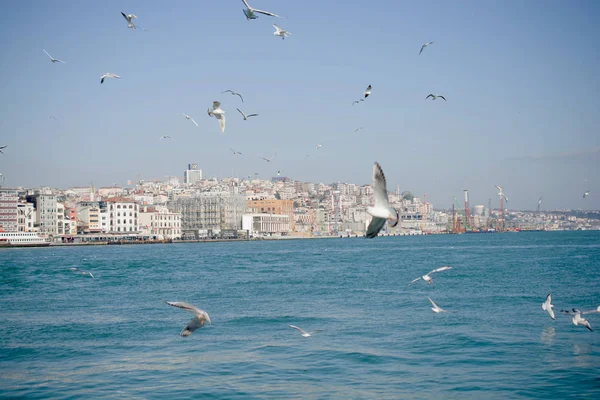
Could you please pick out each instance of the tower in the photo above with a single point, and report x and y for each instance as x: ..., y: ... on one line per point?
x: 467, y: 211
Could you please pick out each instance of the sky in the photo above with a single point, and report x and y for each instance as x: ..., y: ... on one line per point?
x: 520, y: 78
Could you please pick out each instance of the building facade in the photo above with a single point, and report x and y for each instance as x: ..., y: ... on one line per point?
x: 192, y: 174
x: 160, y: 223
x: 261, y: 224
x: 26, y: 214
x: 9, y: 199
x: 123, y: 215
x: 273, y: 206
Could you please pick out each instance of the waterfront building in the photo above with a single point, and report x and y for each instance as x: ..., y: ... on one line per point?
x: 122, y: 215
x: 45, y: 209
x: 261, y: 224
x: 88, y: 216
x: 273, y: 206
x: 9, y: 220
x: 26, y: 215
x: 160, y: 223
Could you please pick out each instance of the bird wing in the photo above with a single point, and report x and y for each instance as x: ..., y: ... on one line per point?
x: 548, y: 299
x: 375, y: 226
x: 251, y: 115
x: 551, y: 312
x: 222, y: 122
x: 186, y: 306
x: 237, y: 94
x: 428, y: 96
x: 594, y: 311
x: 355, y: 101
x: 125, y: 16
x: 47, y: 54
x: 195, y: 323
x: 379, y: 187
x: 298, y: 328
x: 368, y: 88
x: 432, y: 303
x: 247, y: 5
x: 277, y: 28
x: 227, y: 91
x: 498, y: 187
x: 444, y: 268
x: 442, y: 97
x: 265, y: 13
x: 505, y: 197
x: 414, y: 280
x: 243, y: 115
x: 422, y: 47
x: 195, y: 123
x: 102, y: 80
x: 216, y: 104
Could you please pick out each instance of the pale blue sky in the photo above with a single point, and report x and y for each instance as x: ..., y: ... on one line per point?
x: 521, y: 79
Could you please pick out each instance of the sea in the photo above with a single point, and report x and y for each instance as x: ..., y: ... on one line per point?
x: 65, y: 335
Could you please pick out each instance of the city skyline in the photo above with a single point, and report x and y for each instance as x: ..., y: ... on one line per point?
x: 519, y: 79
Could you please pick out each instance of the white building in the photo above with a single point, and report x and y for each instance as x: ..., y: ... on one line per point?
x: 266, y: 223
x: 192, y: 174
x: 26, y: 214
x: 45, y: 206
x: 123, y: 215
x: 160, y: 223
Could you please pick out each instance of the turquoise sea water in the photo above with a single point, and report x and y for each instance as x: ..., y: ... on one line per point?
x: 65, y: 335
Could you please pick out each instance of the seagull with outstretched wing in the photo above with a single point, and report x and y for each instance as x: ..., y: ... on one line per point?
x: 190, y: 118
x: 281, y: 32
x: 269, y: 159
x: 381, y: 211
x: 200, y: 317
x: 427, y: 278
x: 250, y: 12
x: 233, y: 94
x: 435, y: 96
x: 109, y: 75
x: 218, y: 114
x: 302, y: 331
x: 367, y: 91
x: 577, y: 319
x: 547, y: 305
x: 435, y: 307
x: 246, y: 116
x: 425, y: 45
x: 54, y: 60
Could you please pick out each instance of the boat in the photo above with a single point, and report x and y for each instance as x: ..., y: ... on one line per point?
x: 23, y: 239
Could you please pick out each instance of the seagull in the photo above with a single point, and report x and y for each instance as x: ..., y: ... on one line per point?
x: 319, y: 146
x: 164, y: 137
x: 218, y: 114
x: 358, y: 129
x: 250, y: 12
x: 382, y: 210
x: 367, y: 91
x: 586, y: 194
x: 128, y: 18
x: 190, y: 118
x: 576, y: 318
x: 53, y: 117
x: 281, y: 32
x: 278, y: 172
x: 3, y: 147
x: 427, y: 278
x: 109, y: 75
x: 233, y: 94
x: 425, y: 45
x: 302, y: 331
x: 201, y: 317
x: 357, y: 101
x: 501, y: 193
x: 80, y: 271
x: 435, y: 307
x: 246, y: 116
x: 435, y: 96
x: 234, y: 152
x: 269, y: 159
x: 53, y: 59
x: 547, y: 305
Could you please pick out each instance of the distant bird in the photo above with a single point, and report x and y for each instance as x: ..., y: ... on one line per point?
x: 190, y: 118
x: 82, y: 272
x: 367, y: 91
x: 435, y: 96
x: 3, y: 147
x: 246, y: 116
x: 269, y: 159
x: 382, y: 210
x: 427, y: 278
x: 109, y: 75
x: 52, y: 117
x: 218, y: 114
x: 302, y: 331
x: 233, y: 94
x: 547, y: 305
x: 576, y: 318
x: 425, y: 45
x: 586, y: 194
x: 278, y: 172
x: 250, y: 12
x: 281, y: 32
x: 319, y: 146
x: 129, y: 18
x: 501, y: 193
x: 357, y: 101
x: 358, y: 129
x: 200, y: 317
x: 435, y: 307
x: 164, y: 137
x: 53, y: 59
x: 234, y: 152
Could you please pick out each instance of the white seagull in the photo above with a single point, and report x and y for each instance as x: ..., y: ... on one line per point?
x: 425, y: 45
x: 547, y: 305
x: 200, y: 318
x: 190, y: 118
x: 501, y: 193
x: 52, y: 58
x: 382, y: 210
x: 281, y: 32
x: 218, y: 114
x: 250, y: 12
x: 319, y: 146
x: 128, y: 18
x: 427, y: 278
x: 302, y: 331
x: 435, y: 96
x: 234, y: 152
x: 80, y: 271
x: 367, y: 91
x: 233, y: 94
x: 586, y: 194
x: 109, y: 75
x: 268, y: 159
x: 576, y: 318
x: 357, y: 101
x: 358, y: 129
x: 246, y: 116
x: 164, y: 137
x: 435, y: 307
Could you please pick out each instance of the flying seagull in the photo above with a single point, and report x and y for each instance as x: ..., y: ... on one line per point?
x: 200, y: 318
x: 128, y: 18
x: 357, y: 101
x: 278, y: 172
x: 302, y: 331
x: 233, y: 94
x: 501, y: 193
x: 164, y: 137
x: 250, y: 12
x: 3, y: 147
x: 367, y: 91
x: 108, y: 75
x: 358, y: 129
x: 435, y: 96
x: 234, y: 152
x: 281, y: 32
x: 218, y: 114
x: 52, y: 58
x: 53, y: 117
x: 80, y: 271
x: 576, y: 318
x: 382, y: 210
x: 319, y: 146
x: 586, y: 194
x: 547, y: 305
x: 435, y: 307
x: 190, y: 118
x: 269, y: 159
x: 246, y: 116
x: 427, y: 278
x: 425, y: 45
